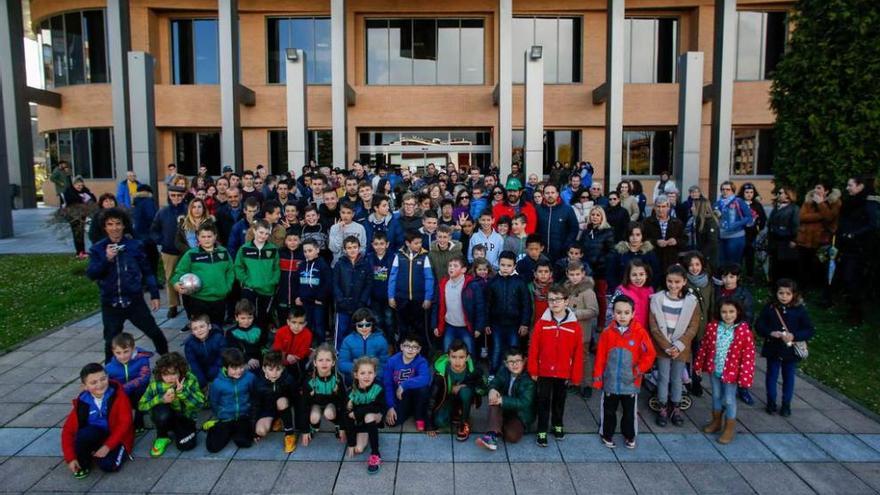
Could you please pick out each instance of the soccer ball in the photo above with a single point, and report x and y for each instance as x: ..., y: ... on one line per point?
x: 191, y: 283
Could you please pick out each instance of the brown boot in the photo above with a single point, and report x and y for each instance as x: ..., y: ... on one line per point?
x: 729, y: 432
x: 715, y: 425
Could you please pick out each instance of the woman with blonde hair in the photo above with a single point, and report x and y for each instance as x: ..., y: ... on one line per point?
x: 702, y: 229
x: 188, y: 225
x: 597, y: 241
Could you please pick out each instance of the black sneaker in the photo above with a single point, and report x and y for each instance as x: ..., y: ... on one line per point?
x: 541, y: 439
x: 785, y: 410
x: 558, y: 433
x: 662, y: 417
x: 586, y: 392
x: 172, y: 312
x: 771, y: 407
x: 185, y: 328
x: 607, y: 442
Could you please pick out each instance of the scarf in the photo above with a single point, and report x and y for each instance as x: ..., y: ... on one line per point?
x: 701, y: 280
x: 723, y: 339
x: 540, y: 291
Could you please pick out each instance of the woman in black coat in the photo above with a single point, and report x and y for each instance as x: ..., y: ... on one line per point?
x: 782, y: 228
x: 78, y: 203
x: 856, y: 238
x: 597, y: 242
x: 617, y: 216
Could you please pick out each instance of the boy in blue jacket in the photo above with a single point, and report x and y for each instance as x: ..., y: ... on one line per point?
x: 203, y: 349
x: 411, y: 286
x: 130, y: 366
x: 315, y: 288
x: 230, y: 398
x: 351, y: 286
x: 509, y: 309
x: 407, y: 384
x: 380, y: 261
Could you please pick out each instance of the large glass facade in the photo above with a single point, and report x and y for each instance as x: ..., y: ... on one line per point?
x: 74, y: 49
x: 559, y: 145
x: 193, y: 148
x: 760, y: 44
x: 320, y: 149
x: 647, y: 152
x: 560, y: 38
x: 752, y: 151
x: 195, y: 51
x: 424, y: 51
x: 89, y: 151
x: 651, y: 50
x: 310, y: 34
x: 418, y: 148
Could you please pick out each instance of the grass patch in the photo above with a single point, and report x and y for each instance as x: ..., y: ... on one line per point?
x: 842, y: 356
x: 40, y: 292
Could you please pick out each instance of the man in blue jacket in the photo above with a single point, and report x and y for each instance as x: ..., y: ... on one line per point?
x: 120, y: 268
x: 557, y: 224
x: 411, y: 287
x: 163, y: 231
x: 126, y: 190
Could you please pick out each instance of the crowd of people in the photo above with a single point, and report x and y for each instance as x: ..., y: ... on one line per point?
x: 367, y: 297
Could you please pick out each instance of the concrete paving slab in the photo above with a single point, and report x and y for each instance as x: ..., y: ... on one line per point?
x: 12, y: 410
x: 772, y: 478
x: 65, y: 394
x: 599, y: 478
x: 577, y: 416
x: 270, y: 448
x: 648, y: 449
x: 830, y: 478
x: 526, y: 450
x: 307, y: 477
x: 469, y: 451
x: 845, y: 448
x: 60, y: 479
x: 13, y: 440
x: 42, y: 415
x: 353, y: 479
x: 59, y: 374
x: 483, y: 478
x: 715, y: 478
x: 868, y: 472
x: 323, y: 447
x: 793, y: 447
x: 21, y: 473
x: 424, y: 478
x: 190, y: 476
x: 820, y: 400
x: 813, y: 421
x: 541, y: 478
x: 657, y: 478
x: 746, y: 448
x: 16, y: 357
x: 46, y: 445
x: 243, y: 476
x: 33, y: 392
x: 135, y: 476
x: 389, y: 448
x: 855, y: 422
x: 872, y: 440
x: 419, y: 447
x: 585, y: 448
x: 692, y: 447
x: 201, y: 453
x: 758, y: 421
x: 19, y: 375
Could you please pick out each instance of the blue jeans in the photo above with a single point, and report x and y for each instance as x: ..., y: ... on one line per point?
x: 316, y: 319
x: 788, y: 368
x: 503, y: 337
x: 724, y: 397
x: 453, y: 332
x: 731, y: 250
x: 343, y: 328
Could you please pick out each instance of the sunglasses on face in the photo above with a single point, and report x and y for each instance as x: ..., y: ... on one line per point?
x: 364, y: 324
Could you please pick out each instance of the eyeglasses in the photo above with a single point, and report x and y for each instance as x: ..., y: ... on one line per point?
x: 411, y: 347
x: 364, y: 324
x: 465, y: 197
x: 555, y: 299
x: 514, y: 361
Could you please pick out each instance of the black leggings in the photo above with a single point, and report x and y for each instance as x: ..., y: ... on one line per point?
x: 240, y: 431
x: 551, y: 400
x: 168, y: 420
x: 372, y: 431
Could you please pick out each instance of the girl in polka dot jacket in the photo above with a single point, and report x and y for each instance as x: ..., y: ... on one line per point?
x: 727, y: 355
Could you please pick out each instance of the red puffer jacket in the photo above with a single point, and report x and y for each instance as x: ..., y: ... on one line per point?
x: 556, y: 349
x: 739, y: 367
x: 119, y: 421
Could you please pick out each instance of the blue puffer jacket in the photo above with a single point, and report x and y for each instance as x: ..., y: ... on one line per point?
x: 121, y: 281
x: 237, y: 236
x: 204, y: 357
x: 355, y: 346
x: 231, y: 398
x: 143, y: 214
x: 508, y: 301
x: 558, y: 227
x: 133, y: 375
x: 351, y: 284
x: 163, y: 231
x: 411, y: 277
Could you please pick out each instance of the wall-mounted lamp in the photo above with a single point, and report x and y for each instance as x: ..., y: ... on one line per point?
x: 536, y: 52
x: 292, y: 55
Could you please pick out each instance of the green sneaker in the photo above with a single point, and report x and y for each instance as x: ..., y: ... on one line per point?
x: 159, y: 446
x: 541, y: 438
x: 207, y: 425
x: 81, y: 474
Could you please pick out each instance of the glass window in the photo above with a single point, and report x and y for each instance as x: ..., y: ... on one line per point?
x: 193, y: 148
x: 559, y: 145
x: 74, y: 49
x: 320, y: 149
x: 752, y: 152
x: 425, y: 51
x: 88, y: 150
x: 760, y: 44
x: 651, y: 50
x: 647, y: 152
x: 195, y: 51
x: 311, y: 35
x: 561, y: 42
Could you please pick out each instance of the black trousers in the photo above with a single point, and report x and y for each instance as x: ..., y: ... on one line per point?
x: 550, y: 400
x: 240, y: 431
x: 263, y: 308
x: 610, y: 403
x: 216, y: 310
x: 414, y: 403
x: 372, y: 431
x: 412, y: 318
x: 139, y: 314
x: 167, y: 420
x: 89, y: 439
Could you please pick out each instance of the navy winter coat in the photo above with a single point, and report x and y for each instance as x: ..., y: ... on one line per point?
x: 597, y: 245
x: 558, y: 227
x: 163, y: 231
x: 121, y: 280
x: 508, y: 301
x: 351, y: 284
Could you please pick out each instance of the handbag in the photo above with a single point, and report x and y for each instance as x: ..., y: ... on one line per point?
x: 800, y: 346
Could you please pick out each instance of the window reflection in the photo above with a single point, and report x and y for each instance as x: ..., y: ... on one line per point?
x: 559, y: 145
x: 561, y: 42
x: 89, y: 151
x: 651, y: 50
x: 193, y: 148
x: 74, y: 49
x: 195, y: 51
x: 319, y: 148
x: 418, y: 148
x: 752, y: 152
x: 647, y: 152
x: 760, y: 44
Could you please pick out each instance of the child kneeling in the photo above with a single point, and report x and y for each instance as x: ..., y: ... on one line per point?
x: 99, y: 428
x: 324, y: 394
x: 624, y: 354
x: 275, y: 395
x: 230, y: 397
x: 511, y: 402
x: 366, y: 410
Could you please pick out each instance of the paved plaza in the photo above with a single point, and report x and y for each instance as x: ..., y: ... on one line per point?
x: 827, y: 446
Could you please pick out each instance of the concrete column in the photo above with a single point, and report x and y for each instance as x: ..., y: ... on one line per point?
x: 6, y: 230
x: 119, y: 37
x: 505, y: 87
x: 143, y: 118
x: 723, y: 72
x: 614, y: 58
x: 690, y: 116
x: 297, y: 116
x: 338, y: 82
x: 534, y: 118
x: 230, y: 137
x: 16, y: 112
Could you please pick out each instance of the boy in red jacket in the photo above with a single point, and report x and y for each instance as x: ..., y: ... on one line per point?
x: 555, y: 359
x: 99, y: 428
x: 624, y: 353
x: 294, y: 342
